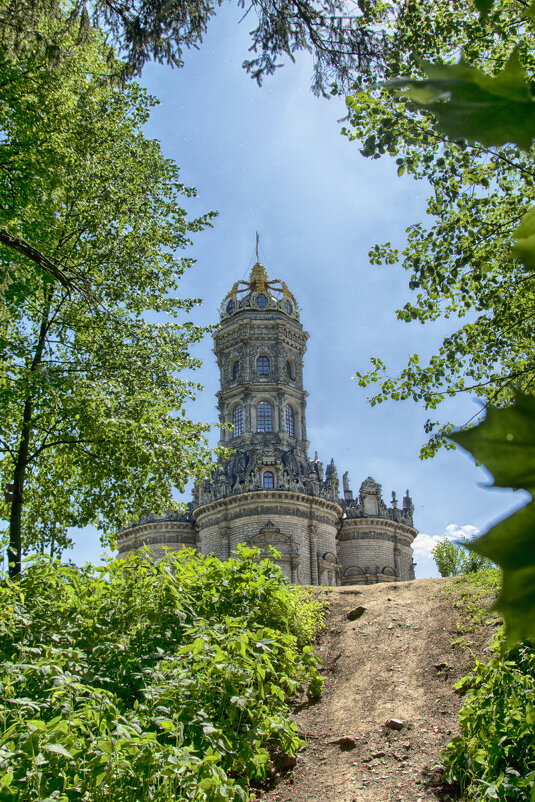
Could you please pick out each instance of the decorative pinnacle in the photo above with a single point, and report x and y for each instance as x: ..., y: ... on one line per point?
x: 258, y: 280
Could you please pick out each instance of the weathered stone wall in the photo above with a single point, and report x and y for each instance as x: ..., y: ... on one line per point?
x: 157, y: 536
x: 375, y: 547
x: 310, y: 523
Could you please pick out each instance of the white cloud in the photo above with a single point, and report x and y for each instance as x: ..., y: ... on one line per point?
x: 423, y: 544
x: 454, y: 532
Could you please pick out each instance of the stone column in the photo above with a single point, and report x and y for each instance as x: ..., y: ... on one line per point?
x: 313, y: 555
x: 247, y: 417
x: 397, y: 567
x: 281, y: 411
x: 302, y: 422
x: 225, y: 541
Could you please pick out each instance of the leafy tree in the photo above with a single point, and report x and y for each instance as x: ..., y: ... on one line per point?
x: 447, y: 557
x: 459, y: 262
x: 341, y: 41
x: 453, y: 559
x: 92, y: 416
x: 492, y: 108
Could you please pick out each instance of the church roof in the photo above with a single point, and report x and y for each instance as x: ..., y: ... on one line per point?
x: 259, y: 292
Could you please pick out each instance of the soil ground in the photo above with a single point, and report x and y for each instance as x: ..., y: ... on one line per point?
x: 395, y: 662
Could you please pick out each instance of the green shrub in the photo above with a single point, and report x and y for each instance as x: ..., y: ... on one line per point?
x: 453, y: 559
x: 474, y: 595
x: 145, y: 680
x: 494, y: 757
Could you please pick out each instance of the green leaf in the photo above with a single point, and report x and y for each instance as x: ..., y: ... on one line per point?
x: 524, y: 249
x: 100, y: 777
x: 483, y: 6
x: 6, y: 779
x: 57, y: 749
x: 208, y: 783
x: 36, y: 724
x: 506, y: 543
x: 470, y: 104
x: 505, y: 443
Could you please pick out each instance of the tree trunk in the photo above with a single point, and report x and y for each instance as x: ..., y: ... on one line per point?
x: 21, y: 464
x: 19, y: 474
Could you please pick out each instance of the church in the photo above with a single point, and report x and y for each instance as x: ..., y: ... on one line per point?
x: 270, y: 492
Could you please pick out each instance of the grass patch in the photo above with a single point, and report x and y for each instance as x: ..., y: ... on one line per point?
x: 473, y: 595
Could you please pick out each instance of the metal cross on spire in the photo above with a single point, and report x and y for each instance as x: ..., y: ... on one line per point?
x: 257, y: 242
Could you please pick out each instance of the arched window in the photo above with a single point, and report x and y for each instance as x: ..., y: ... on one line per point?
x: 269, y: 480
x: 264, y: 417
x: 237, y: 420
x: 290, y: 421
x: 262, y: 365
x: 289, y: 371
x: 236, y: 369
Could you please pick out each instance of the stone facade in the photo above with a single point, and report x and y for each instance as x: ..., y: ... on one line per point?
x: 270, y: 493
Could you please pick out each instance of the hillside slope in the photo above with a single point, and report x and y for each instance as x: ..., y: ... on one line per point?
x: 394, y: 662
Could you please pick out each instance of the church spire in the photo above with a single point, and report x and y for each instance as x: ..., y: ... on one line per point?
x: 258, y: 280
x: 275, y: 292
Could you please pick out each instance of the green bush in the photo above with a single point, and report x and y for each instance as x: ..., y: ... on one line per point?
x: 454, y: 559
x: 144, y: 680
x: 494, y: 757
x: 474, y: 596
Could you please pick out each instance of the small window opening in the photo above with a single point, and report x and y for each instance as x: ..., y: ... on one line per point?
x: 269, y: 480
x: 264, y: 417
x: 237, y: 420
x: 262, y: 365
x: 290, y: 421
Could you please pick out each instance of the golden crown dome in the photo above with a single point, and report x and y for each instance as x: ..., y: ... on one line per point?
x: 259, y: 282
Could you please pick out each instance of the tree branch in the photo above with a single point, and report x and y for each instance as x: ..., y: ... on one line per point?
x: 46, y: 264
x: 27, y: 250
x: 74, y: 441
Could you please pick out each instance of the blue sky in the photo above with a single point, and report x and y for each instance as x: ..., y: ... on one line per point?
x: 272, y: 160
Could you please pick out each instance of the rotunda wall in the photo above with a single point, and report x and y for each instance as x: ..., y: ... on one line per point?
x: 157, y: 535
x: 309, y: 523
x: 375, y: 545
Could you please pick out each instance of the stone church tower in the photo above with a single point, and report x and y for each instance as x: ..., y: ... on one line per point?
x: 270, y: 493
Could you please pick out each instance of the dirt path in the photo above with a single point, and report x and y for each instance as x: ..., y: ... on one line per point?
x: 394, y: 662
